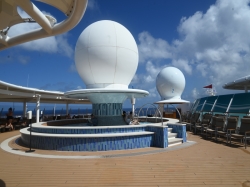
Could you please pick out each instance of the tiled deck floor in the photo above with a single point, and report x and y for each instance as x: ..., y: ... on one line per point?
x: 205, y: 163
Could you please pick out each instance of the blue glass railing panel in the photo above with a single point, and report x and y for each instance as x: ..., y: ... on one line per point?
x: 222, y: 103
x: 209, y: 103
x: 200, y: 104
x: 240, y: 103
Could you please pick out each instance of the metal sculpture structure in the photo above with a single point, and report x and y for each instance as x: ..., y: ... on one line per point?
x: 73, y: 9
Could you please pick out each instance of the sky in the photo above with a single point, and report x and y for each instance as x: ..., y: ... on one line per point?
x: 207, y: 40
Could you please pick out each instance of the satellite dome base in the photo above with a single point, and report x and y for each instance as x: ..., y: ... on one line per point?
x: 107, y: 103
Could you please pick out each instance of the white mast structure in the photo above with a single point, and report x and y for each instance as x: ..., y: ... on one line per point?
x: 210, y: 90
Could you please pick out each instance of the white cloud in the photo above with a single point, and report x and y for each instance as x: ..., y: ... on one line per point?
x: 182, y: 64
x: 63, y: 45
x: 92, y: 4
x: 195, y: 93
x: 23, y: 59
x: 153, y: 92
x: 46, y: 45
x: 148, y: 79
x: 150, y: 76
x: 152, y: 69
x: 135, y: 79
x: 152, y: 72
x: 213, y: 46
x: 53, y: 44
x: 151, y: 48
x: 61, y: 86
x: 73, y: 68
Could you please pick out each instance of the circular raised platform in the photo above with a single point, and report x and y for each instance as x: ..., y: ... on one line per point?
x: 90, y: 138
x: 12, y: 145
x: 105, y: 95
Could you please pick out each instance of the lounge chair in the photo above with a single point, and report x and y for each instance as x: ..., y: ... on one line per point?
x: 193, y: 120
x: 186, y: 117
x: 199, y: 126
x: 243, y: 134
x: 2, y: 124
x: 231, y: 125
x: 216, y: 125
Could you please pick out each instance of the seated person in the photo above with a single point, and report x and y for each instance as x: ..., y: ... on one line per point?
x: 23, y: 124
x: 9, y: 126
x: 130, y: 116
x: 125, y: 118
x: 134, y: 122
x: 9, y: 119
x: 93, y: 120
x: 68, y: 116
x: 128, y: 120
x: 91, y: 116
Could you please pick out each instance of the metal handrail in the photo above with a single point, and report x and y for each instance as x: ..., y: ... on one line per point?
x: 178, y: 112
x: 153, y: 106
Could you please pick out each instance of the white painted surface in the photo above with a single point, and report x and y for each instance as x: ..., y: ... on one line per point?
x: 170, y: 121
x: 25, y: 131
x: 170, y: 83
x: 172, y: 101
x: 29, y: 114
x: 242, y: 83
x: 38, y: 107
x: 10, y: 17
x: 106, y: 95
x: 106, y: 55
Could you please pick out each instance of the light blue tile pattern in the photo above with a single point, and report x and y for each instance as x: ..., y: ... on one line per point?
x: 107, y: 109
x: 158, y: 139
x: 89, y: 144
x: 180, y: 130
x: 160, y: 136
x: 61, y: 130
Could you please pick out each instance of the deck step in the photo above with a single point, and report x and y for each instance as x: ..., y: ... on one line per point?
x: 172, y: 135
x: 174, y: 141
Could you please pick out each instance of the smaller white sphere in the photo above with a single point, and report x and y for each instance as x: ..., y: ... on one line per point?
x: 170, y: 83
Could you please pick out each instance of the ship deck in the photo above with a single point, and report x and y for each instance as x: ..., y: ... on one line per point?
x: 201, y: 163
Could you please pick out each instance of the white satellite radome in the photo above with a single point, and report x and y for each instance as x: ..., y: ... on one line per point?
x: 106, y: 55
x: 170, y: 83
x: 106, y: 58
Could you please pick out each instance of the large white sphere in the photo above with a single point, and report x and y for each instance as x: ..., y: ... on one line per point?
x: 170, y: 83
x: 106, y: 55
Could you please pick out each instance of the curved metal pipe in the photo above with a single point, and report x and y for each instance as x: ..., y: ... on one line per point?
x: 147, y: 115
x: 178, y: 112
x: 155, y: 107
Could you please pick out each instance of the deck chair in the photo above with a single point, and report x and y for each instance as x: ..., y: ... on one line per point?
x: 243, y: 133
x: 186, y: 117
x: 220, y: 124
x: 246, y: 117
x: 231, y: 126
x: 199, y: 126
x: 193, y: 120
x: 15, y: 123
x: 216, y: 125
x: 2, y: 124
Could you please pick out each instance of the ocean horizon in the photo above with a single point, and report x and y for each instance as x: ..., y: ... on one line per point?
x: 56, y: 112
